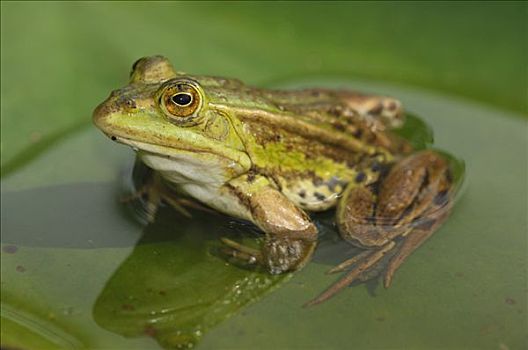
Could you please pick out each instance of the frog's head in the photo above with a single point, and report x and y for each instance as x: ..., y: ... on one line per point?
x: 166, y: 113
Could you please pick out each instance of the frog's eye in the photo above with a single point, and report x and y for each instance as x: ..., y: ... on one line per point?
x: 180, y: 100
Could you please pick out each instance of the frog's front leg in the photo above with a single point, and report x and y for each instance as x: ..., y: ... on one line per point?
x: 394, y: 218
x: 291, y: 236
x: 152, y: 191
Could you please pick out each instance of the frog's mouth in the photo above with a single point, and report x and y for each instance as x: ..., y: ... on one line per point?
x: 237, y: 162
x: 170, y: 151
x: 162, y: 151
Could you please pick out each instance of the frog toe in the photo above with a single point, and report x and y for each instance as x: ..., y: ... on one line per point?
x: 367, y: 261
x: 240, y: 253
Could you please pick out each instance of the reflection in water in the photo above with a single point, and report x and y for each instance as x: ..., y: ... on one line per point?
x: 174, y: 286
x: 74, y: 216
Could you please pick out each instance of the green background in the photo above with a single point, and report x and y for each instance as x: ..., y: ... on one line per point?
x: 60, y: 59
x: 461, y: 66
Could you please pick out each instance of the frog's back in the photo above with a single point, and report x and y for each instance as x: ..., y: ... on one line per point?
x: 360, y: 117
x: 310, y: 143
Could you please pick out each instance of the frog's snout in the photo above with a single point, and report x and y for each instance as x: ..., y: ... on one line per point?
x: 113, y: 104
x: 103, y: 110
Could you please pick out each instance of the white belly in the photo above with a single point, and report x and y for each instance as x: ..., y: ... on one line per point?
x: 202, y: 178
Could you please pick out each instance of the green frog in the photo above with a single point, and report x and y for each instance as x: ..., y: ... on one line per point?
x: 273, y: 156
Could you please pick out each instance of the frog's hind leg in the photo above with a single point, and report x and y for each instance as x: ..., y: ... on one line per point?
x: 439, y: 204
x: 413, y: 200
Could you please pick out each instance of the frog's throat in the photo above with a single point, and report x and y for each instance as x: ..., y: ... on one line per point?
x: 237, y: 159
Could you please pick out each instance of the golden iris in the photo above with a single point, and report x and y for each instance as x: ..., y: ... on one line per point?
x: 181, y: 99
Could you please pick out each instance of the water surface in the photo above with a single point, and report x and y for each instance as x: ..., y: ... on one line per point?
x: 78, y: 271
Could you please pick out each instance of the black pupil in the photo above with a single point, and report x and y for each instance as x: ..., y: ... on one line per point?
x: 182, y: 99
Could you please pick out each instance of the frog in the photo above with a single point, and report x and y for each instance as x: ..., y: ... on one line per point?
x: 274, y: 157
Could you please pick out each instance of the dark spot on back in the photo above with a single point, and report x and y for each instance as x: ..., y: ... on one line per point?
x: 406, y: 212
x: 441, y: 198
x: 376, y: 109
x: 375, y: 166
x: 319, y: 196
x: 427, y: 224
x: 336, y: 111
x: 339, y: 126
x: 358, y: 133
x: 302, y: 193
x: 360, y: 177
